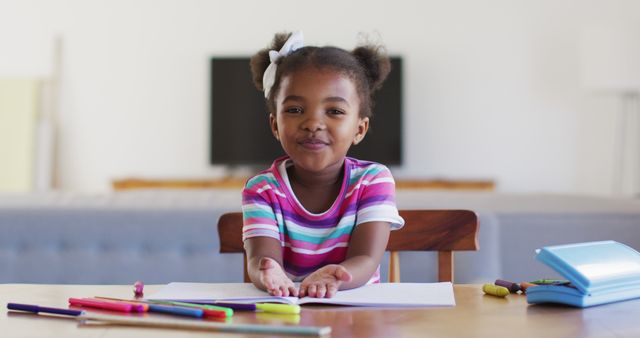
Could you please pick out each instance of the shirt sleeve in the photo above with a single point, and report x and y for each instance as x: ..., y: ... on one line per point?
x: 259, y: 218
x: 378, y: 198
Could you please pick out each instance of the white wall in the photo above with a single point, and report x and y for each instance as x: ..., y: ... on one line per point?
x: 492, y: 87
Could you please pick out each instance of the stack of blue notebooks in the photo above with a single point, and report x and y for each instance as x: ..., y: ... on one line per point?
x: 597, y: 273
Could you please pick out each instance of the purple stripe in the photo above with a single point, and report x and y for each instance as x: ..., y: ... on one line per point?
x: 323, y: 223
x: 375, y: 199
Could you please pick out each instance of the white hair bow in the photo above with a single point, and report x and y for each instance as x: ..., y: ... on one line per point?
x: 294, y: 42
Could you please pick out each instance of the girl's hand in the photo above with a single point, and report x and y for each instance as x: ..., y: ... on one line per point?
x: 275, y: 280
x: 324, y: 282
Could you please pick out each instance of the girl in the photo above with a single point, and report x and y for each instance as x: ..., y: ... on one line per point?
x: 316, y: 216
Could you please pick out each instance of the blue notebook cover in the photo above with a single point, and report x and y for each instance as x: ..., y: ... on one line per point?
x: 599, y: 272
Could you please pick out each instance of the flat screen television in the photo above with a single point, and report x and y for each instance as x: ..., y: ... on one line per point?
x: 239, y: 122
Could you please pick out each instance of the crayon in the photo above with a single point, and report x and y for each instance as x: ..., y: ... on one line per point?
x: 495, y: 290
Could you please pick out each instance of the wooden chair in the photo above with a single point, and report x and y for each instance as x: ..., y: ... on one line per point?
x: 444, y: 231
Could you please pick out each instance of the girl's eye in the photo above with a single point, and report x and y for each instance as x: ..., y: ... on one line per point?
x: 293, y: 110
x: 336, y: 112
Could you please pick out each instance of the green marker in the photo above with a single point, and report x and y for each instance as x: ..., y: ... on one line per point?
x: 550, y: 282
x: 226, y: 310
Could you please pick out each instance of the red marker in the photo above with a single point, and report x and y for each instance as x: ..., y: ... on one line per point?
x: 135, y: 306
x: 98, y: 304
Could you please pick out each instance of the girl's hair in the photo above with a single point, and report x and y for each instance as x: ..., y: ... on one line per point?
x: 368, y: 66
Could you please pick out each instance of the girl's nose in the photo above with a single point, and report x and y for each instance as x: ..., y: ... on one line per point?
x: 313, y: 122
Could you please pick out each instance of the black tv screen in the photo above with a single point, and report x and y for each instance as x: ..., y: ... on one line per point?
x: 239, y: 121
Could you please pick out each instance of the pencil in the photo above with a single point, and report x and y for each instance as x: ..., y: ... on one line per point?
x: 89, y: 318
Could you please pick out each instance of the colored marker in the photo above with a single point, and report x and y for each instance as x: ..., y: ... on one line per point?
x: 98, y: 304
x: 208, y: 310
x: 237, y: 306
x: 143, y: 307
x: 511, y: 286
x: 277, y: 318
x: 524, y: 286
x: 43, y: 309
x: 211, y: 310
x: 85, y: 317
x: 135, y: 306
x: 132, y: 301
x: 279, y: 308
x: 551, y: 282
x: 495, y: 290
x: 266, y: 307
x: 177, y: 310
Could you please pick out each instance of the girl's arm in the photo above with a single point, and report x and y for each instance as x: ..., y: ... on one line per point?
x: 264, y: 256
x: 366, y: 248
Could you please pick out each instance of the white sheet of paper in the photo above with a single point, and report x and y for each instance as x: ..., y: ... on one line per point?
x: 378, y: 295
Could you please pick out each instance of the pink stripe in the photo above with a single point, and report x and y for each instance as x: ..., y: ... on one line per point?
x: 379, y: 189
x: 260, y: 220
x: 334, y: 256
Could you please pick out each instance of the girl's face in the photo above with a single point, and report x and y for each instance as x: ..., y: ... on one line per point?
x: 317, y: 118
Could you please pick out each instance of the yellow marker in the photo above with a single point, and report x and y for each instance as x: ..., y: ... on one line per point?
x: 278, y: 318
x: 278, y: 308
x: 495, y: 290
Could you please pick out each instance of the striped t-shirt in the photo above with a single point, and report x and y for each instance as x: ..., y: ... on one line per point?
x: 311, y: 241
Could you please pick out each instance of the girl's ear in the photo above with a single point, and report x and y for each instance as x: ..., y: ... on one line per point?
x: 363, y: 127
x: 274, y: 126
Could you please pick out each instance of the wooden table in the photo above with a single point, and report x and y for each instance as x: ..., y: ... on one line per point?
x: 475, y: 315
x: 238, y: 183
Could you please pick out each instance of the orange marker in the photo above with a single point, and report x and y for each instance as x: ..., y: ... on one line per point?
x: 524, y: 286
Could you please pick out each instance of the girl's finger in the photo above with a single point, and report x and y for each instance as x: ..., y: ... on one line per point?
x: 284, y: 291
x: 332, y: 289
x: 275, y: 292
x: 321, y: 291
x: 312, y: 290
x: 293, y: 292
x: 342, y: 274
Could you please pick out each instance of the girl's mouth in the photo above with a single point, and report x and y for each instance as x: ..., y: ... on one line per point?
x: 313, y: 143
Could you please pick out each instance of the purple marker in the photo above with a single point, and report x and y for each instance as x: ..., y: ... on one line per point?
x: 37, y: 309
x: 237, y: 306
x: 511, y: 286
x: 231, y: 305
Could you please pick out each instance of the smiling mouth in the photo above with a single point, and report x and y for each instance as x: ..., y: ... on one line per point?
x: 313, y: 144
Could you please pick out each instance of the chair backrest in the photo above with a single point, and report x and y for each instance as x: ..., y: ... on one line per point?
x: 443, y: 231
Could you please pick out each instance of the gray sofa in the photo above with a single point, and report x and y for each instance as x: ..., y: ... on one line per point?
x: 164, y: 236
